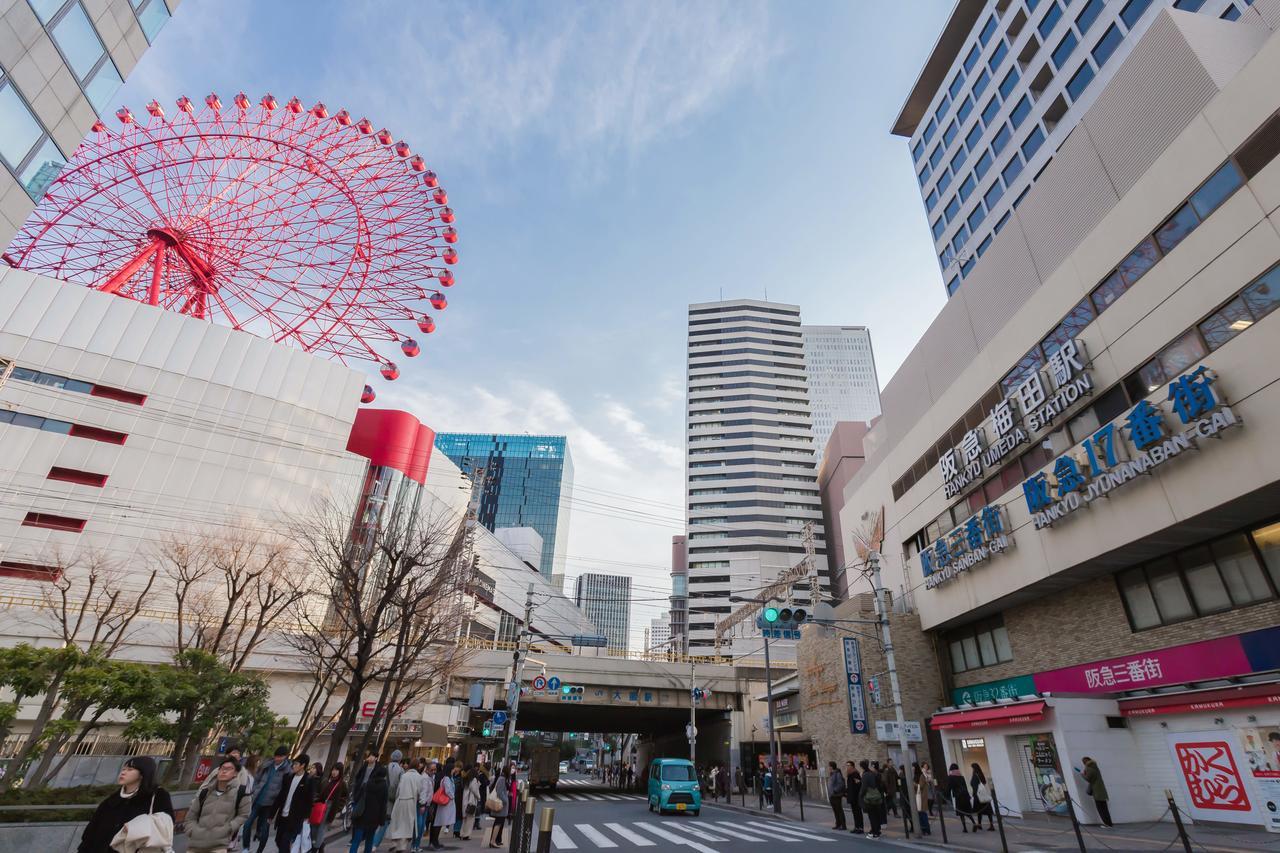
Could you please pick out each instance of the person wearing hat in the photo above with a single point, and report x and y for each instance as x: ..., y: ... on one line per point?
x: 138, y: 795
x: 266, y: 789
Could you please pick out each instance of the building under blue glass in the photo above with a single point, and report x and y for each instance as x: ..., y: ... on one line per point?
x: 529, y: 483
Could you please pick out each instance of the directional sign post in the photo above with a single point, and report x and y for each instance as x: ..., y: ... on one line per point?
x: 553, y: 683
x: 500, y: 718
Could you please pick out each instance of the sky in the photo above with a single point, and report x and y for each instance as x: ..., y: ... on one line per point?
x: 610, y: 163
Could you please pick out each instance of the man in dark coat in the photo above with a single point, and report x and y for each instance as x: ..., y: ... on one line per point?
x: 293, y: 805
x: 853, y: 793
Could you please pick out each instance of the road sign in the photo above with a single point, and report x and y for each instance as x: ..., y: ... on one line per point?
x: 553, y: 683
x: 515, y: 741
x: 540, y: 683
x: 499, y: 717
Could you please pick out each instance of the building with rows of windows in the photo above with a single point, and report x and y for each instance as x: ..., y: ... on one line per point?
x: 1077, y: 460
x: 61, y: 62
x: 1007, y: 82
x: 841, y: 370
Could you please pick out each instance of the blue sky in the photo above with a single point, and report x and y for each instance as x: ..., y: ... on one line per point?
x: 609, y: 164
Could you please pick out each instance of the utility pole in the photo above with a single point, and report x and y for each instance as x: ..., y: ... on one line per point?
x: 882, y: 613
x: 693, y: 716
x: 517, y: 673
x: 773, y: 747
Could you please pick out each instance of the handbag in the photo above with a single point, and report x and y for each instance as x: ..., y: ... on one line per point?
x: 493, y: 803
x: 319, y: 810
x: 441, y: 797
x: 146, y: 832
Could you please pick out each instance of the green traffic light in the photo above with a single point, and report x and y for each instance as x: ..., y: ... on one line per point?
x: 771, y: 614
x: 565, y: 689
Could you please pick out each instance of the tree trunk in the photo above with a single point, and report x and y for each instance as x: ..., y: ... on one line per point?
x: 51, y: 749
x: 37, y: 779
x: 345, y: 722
x: 43, y: 716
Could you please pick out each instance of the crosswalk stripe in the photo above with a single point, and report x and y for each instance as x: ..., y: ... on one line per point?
x: 733, y: 829
x: 594, y: 796
x: 698, y: 833
x: 674, y: 839
x: 637, y: 840
x: 595, y: 836
x: 786, y: 830
x: 561, y: 840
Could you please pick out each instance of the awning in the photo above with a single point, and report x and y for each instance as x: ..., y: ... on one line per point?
x: 434, y: 734
x: 998, y: 715
x: 1244, y: 696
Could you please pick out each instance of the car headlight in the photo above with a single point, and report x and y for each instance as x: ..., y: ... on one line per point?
x: 666, y: 787
x: 696, y: 788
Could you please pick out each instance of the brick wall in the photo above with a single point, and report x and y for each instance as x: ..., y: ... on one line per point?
x: 824, y: 706
x: 1087, y: 622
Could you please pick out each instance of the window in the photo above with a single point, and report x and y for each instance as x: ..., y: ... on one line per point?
x: 1182, y: 353
x: 965, y: 108
x: 71, y: 475
x: 1188, y: 5
x: 936, y: 155
x: 78, y: 41
x: 983, y: 165
x: 974, y: 135
x: 1011, y: 172
x: 930, y: 129
x: 939, y: 225
x: 1230, y: 14
x: 29, y: 571
x: 975, y: 218
x: 918, y: 151
x: 19, y: 131
x: 1001, y: 139
x: 152, y: 17
x: 1010, y: 80
x: 971, y: 59
x: 1107, y: 45
x: 1133, y: 11
x: 1063, y: 51
x: 1089, y: 14
x: 53, y: 522
x: 1080, y: 81
x: 1051, y: 17
x: 944, y: 181
x: 952, y: 285
x: 1080, y: 316
x: 103, y: 85
x: 1264, y: 294
x: 1176, y: 228
x: 931, y: 200
x: 1020, y: 112
x: 956, y: 84
x: 1267, y: 540
x: 1028, y: 364
x: 42, y: 169
x: 961, y: 236
x: 949, y: 134
x: 997, y: 56
x: 990, y: 110
x: 993, y: 195
x: 966, y: 188
x: 925, y: 172
x: 952, y: 208
x: 1225, y: 323
x: 980, y: 84
x: 1032, y: 143
x: 1213, y: 192
x: 984, y: 643
x: 958, y: 161
x: 988, y: 30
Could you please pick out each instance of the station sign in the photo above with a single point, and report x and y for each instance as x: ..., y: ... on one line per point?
x: 853, y: 679
x: 978, y: 539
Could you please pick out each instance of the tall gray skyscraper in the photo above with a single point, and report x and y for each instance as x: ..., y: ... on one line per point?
x: 606, y: 600
x: 751, y: 465
x: 841, y: 370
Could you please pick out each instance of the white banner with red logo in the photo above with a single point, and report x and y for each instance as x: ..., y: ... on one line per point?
x: 1215, y: 776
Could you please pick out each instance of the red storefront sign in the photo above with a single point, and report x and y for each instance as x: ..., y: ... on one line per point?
x: 1202, y: 700
x: 1000, y: 715
x: 1220, y: 658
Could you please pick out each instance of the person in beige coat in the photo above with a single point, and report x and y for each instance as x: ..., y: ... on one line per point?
x: 404, y: 810
x: 218, y: 811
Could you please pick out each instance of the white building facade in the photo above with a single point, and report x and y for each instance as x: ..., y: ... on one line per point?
x: 606, y: 602
x: 657, y: 637
x: 751, y: 469
x: 841, y: 370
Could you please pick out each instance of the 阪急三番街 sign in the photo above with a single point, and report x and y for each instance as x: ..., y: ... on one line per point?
x: 1140, y: 442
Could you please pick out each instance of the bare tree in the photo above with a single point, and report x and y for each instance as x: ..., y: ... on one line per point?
x: 325, y: 672
x: 92, y: 612
x: 231, y: 590
x: 390, y: 618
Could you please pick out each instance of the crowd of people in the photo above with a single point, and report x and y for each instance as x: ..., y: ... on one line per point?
x: 873, y: 791
x: 245, y: 804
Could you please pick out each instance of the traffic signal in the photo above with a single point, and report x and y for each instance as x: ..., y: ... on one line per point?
x: 570, y: 693
x: 487, y: 731
x: 781, y: 623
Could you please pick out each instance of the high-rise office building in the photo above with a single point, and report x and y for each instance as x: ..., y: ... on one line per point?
x: 657, y: 637
x: 61, y: 63
x: 606, y: 601
x: 751, y: 467
x: 528, y: 482
x: 841, y: 370
x: 1007, y: 81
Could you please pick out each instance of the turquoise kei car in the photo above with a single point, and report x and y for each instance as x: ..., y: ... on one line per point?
x: 673, y: 786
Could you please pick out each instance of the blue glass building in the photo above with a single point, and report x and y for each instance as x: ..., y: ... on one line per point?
x: 529, y: 483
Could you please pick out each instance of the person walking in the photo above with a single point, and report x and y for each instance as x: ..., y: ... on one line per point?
x: 835, y: 793
x: 471, y: 801
x: 1097, y: 789
x: 371, y: 808
x: 981, y: 798
x: 501, y: 792
x: 459, y: 790
x: 404, y: 810
x: 933, y: 785
x: 853, y: 793
x: 138, y: 795
x: 767, y: 785
x: 872, y: 796
x: 430, y: 781
x: 333, y: 793
x: 482, y: 777
x: 958, y: 794
x: 219, y: 810
x: 921, y: 796
x: 266, y: 789
x: 395, y: 768
x: 293, y: 805
x: 889, y: 776
x: 244, y: 777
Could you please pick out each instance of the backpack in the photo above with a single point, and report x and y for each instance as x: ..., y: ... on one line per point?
x: 873, y: 797
x: 241, y: 793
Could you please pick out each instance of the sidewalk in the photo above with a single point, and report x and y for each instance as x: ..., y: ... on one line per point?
x: 1031, y: 833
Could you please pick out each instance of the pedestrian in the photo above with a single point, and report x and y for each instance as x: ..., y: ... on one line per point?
x: 404, y: 810
x: 459, y: 790
x: 333, y: 794
x: 370, y: 812
x: 958, y: 794
x: 219, y: 810
x: 889, y: 776
x: 1097, y: 789
x: 138, y: 795
x: 853, y: 793
x: 293, y: 805
x: 500, y: 794
x: 835, y: 793
x: 266, y: 788
x: 981, y: 798
x: 872, y: 796
x: 482, y: 777
x: 430, y: 781
x: 933, y: 790
x: 244, y: 777
x: 470, y: 811
x: 921, y: 796
x: 767, y: 785
x: 395, y: 767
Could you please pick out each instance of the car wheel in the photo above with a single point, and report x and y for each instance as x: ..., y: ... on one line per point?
x: 650, y: 805
x: 696, y: 812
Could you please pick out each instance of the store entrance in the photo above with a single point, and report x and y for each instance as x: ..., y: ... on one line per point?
x: 1043, y: 786
x: 974, y: 750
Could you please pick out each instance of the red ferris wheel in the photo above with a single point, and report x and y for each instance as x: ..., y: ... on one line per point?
x: 311, y: 229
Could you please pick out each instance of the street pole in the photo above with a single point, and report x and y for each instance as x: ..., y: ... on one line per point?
x: 693, y: 716
x: 773, y: 751
x: 882, y: 613
x: 517, y: 674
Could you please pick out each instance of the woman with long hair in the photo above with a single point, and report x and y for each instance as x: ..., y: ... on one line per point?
x: 138, y: 795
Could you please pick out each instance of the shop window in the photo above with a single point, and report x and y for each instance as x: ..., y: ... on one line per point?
x: 981, y: 644
x: 1267, y: 540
